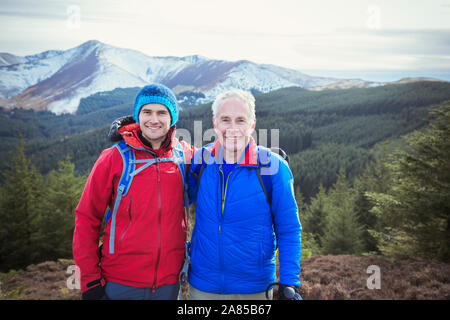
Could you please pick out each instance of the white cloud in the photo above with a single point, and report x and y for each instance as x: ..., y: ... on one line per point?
x: 352, y: 34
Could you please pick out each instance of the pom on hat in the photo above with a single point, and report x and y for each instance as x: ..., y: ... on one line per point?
x: 156, y: 93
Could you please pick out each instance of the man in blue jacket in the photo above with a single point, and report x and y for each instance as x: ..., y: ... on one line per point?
x: 238, y: 225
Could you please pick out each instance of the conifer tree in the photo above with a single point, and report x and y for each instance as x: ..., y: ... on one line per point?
x: 313, y: 221
x: 21, y: 195
x: 309, y: 244
x: 375, y: 178
x: 343, y: 232
x: 63, y: 191
x: 416, y: 209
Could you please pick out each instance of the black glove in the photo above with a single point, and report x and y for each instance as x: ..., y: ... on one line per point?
x: 95, y: 293
x: 114, y: 134
x: 288, y: 293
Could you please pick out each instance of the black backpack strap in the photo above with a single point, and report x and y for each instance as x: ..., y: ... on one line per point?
x: 263, y: 186
x: 205, y: 156
x: 264, y: 162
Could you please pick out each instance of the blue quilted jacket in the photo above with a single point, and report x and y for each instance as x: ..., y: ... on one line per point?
x: 235, y: 235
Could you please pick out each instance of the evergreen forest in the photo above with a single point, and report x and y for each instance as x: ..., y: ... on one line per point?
x: 371, y: 168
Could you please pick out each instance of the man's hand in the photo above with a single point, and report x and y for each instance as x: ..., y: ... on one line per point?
x: 114, y: 134
x: 288, y: 293
x: 96, y: 292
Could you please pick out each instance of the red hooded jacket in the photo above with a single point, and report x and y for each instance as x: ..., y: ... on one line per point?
x: 150, y: 231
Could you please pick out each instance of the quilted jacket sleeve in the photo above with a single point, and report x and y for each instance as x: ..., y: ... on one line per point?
x: 287, y: 223
x: 89, y: 216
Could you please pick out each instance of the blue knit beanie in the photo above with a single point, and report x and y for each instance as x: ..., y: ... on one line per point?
x: 156, y: 93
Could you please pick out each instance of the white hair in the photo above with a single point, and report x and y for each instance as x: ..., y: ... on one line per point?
x: 238, y: 94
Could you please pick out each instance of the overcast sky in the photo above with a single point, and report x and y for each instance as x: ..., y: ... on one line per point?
x: 367, y: 38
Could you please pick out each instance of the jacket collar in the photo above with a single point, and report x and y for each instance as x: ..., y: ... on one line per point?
x: 130, y: 135
x: 248, y: 158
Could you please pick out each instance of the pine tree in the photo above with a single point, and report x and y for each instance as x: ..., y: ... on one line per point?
x: 21, y: 195
x: 416, y: 209
x: 309, y: 244
x: 313, y: 221
x: 62, y: 193
x: 375, y: 178
x: 343, y: 232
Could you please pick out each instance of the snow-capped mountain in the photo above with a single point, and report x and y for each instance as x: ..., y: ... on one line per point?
x: 57, y: 80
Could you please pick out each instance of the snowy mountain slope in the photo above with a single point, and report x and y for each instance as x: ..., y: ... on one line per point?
x: 22, y: 72
x: 57, y: 80
x: 8, y: 59
x: 264, y: 78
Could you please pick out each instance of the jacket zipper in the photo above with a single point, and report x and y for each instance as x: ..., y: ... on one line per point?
x: 224, y: 187
x: 224, y: 195
x: 159, y: 227
x: 220, y: 231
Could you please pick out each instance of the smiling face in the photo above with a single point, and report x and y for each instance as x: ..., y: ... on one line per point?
x: 154, y: 120
x: 234, y: 127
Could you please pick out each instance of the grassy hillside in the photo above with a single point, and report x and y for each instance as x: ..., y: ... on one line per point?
x: 341, y: 277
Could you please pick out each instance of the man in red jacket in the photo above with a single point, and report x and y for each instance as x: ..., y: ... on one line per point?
x: 144, y: 243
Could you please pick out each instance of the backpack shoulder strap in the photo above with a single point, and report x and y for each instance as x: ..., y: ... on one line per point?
x: 180, y: 161
x: 265, y: 179
x: 129, y: 165
x: 179, y: 158
x: 264, y: 170
x: 199, y: 162
x: 126, y: 178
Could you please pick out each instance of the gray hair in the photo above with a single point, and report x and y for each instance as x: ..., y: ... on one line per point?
x: 238, y: 94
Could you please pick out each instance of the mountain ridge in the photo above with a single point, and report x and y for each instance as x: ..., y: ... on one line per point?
x: 57, y: 80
